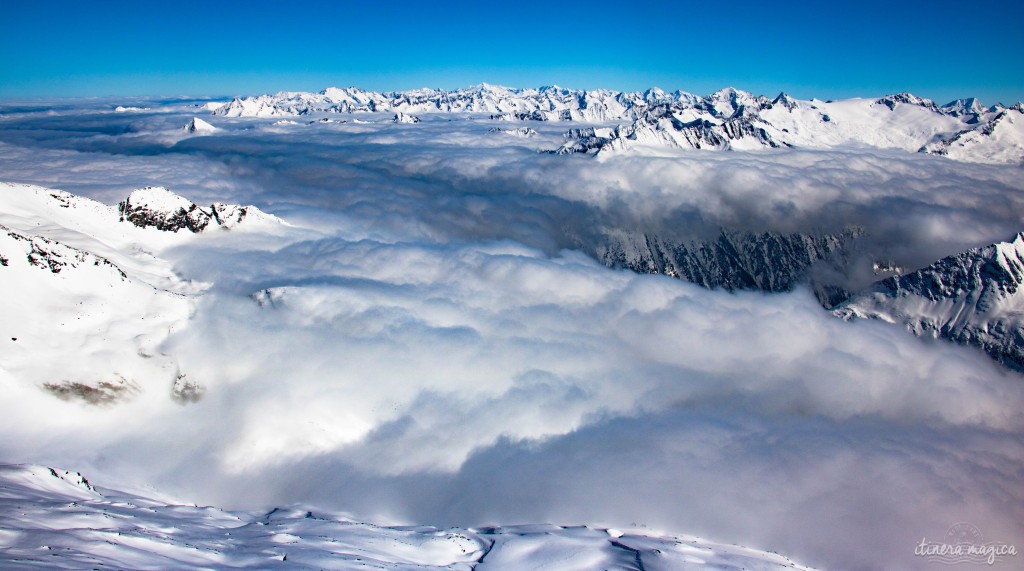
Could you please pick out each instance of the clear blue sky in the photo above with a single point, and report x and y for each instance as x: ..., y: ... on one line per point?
x: 826, y: 49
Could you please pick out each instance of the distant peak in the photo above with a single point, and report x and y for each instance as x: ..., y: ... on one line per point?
x: 907, y: 98
x: 490, y: 87
x: 198, y: 126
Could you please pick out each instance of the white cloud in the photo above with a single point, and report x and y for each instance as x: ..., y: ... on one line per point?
x: 434, y: 356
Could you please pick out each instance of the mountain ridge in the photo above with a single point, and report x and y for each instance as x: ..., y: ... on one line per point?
x: 728, y: 119
x: 973, y: 298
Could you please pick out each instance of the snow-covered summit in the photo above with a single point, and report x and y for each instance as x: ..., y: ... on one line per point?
x: 987, y: 138
x: 906, y: 98
x: 964, y: 107
x: 198, y: 127
x: 405, y: 118
x: 162, y: 209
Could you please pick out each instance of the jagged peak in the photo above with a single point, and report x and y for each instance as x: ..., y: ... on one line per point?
x: 332, y: 92
x: 964, y: 106
x: 156, y: 206
x: 908, y: 98
x: 405, y: 118
x: 1010, y: 253
x: 727, y: 93
x: 198, y: 126
x: 485, y: 87
x: 783, y: 99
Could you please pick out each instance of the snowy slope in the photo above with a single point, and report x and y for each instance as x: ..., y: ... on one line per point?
x: 974, y: 298
x: 57, y: 519
x: 87, y: 300
x: 998, y: 139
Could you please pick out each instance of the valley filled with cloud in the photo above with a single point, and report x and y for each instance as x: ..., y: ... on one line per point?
x: 424, y: 331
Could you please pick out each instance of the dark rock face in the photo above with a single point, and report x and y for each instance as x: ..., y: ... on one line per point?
x: 193, y: 219
x: 103, y: 393
x: 981, y: 274
x: 55, y: 256
x: 890, y: 101
x: 163, y: 210
x: 973, y: 298
x: 702, y: 134
x: 767, y: 261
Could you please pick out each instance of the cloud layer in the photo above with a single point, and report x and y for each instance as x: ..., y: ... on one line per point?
x: 438, y: 352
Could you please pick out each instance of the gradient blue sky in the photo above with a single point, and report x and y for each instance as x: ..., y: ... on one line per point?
x: 936, y: 49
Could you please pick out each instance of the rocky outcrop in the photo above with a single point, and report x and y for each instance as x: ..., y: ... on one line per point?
x: 767, y: 261
x: 160, y: 208
x: 974, y: 298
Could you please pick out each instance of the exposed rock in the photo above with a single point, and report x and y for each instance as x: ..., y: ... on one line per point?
x: 973, y: 298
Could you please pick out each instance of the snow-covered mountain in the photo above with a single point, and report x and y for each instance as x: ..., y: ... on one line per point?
x: 997, y: 137
x: 162, y: 209
x: 524, y: 132
x: 198, y: 127
x: 89, y: 297
x: 973, y: 298
x: 405, y: 118
x: 57, y: 519
x: 546, y: 103
x: 729, y: 119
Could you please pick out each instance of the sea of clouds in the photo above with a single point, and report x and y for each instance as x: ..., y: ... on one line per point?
x: 430, y: 345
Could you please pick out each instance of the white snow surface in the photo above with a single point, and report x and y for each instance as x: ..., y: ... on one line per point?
x: 91, y: 297
x: 52, y: 518
x: 94, y: 299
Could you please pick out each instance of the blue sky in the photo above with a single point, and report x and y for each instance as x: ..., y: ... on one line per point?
x: 935, y: 49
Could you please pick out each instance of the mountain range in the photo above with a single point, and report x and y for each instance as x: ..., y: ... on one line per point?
x: 729, y: 119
